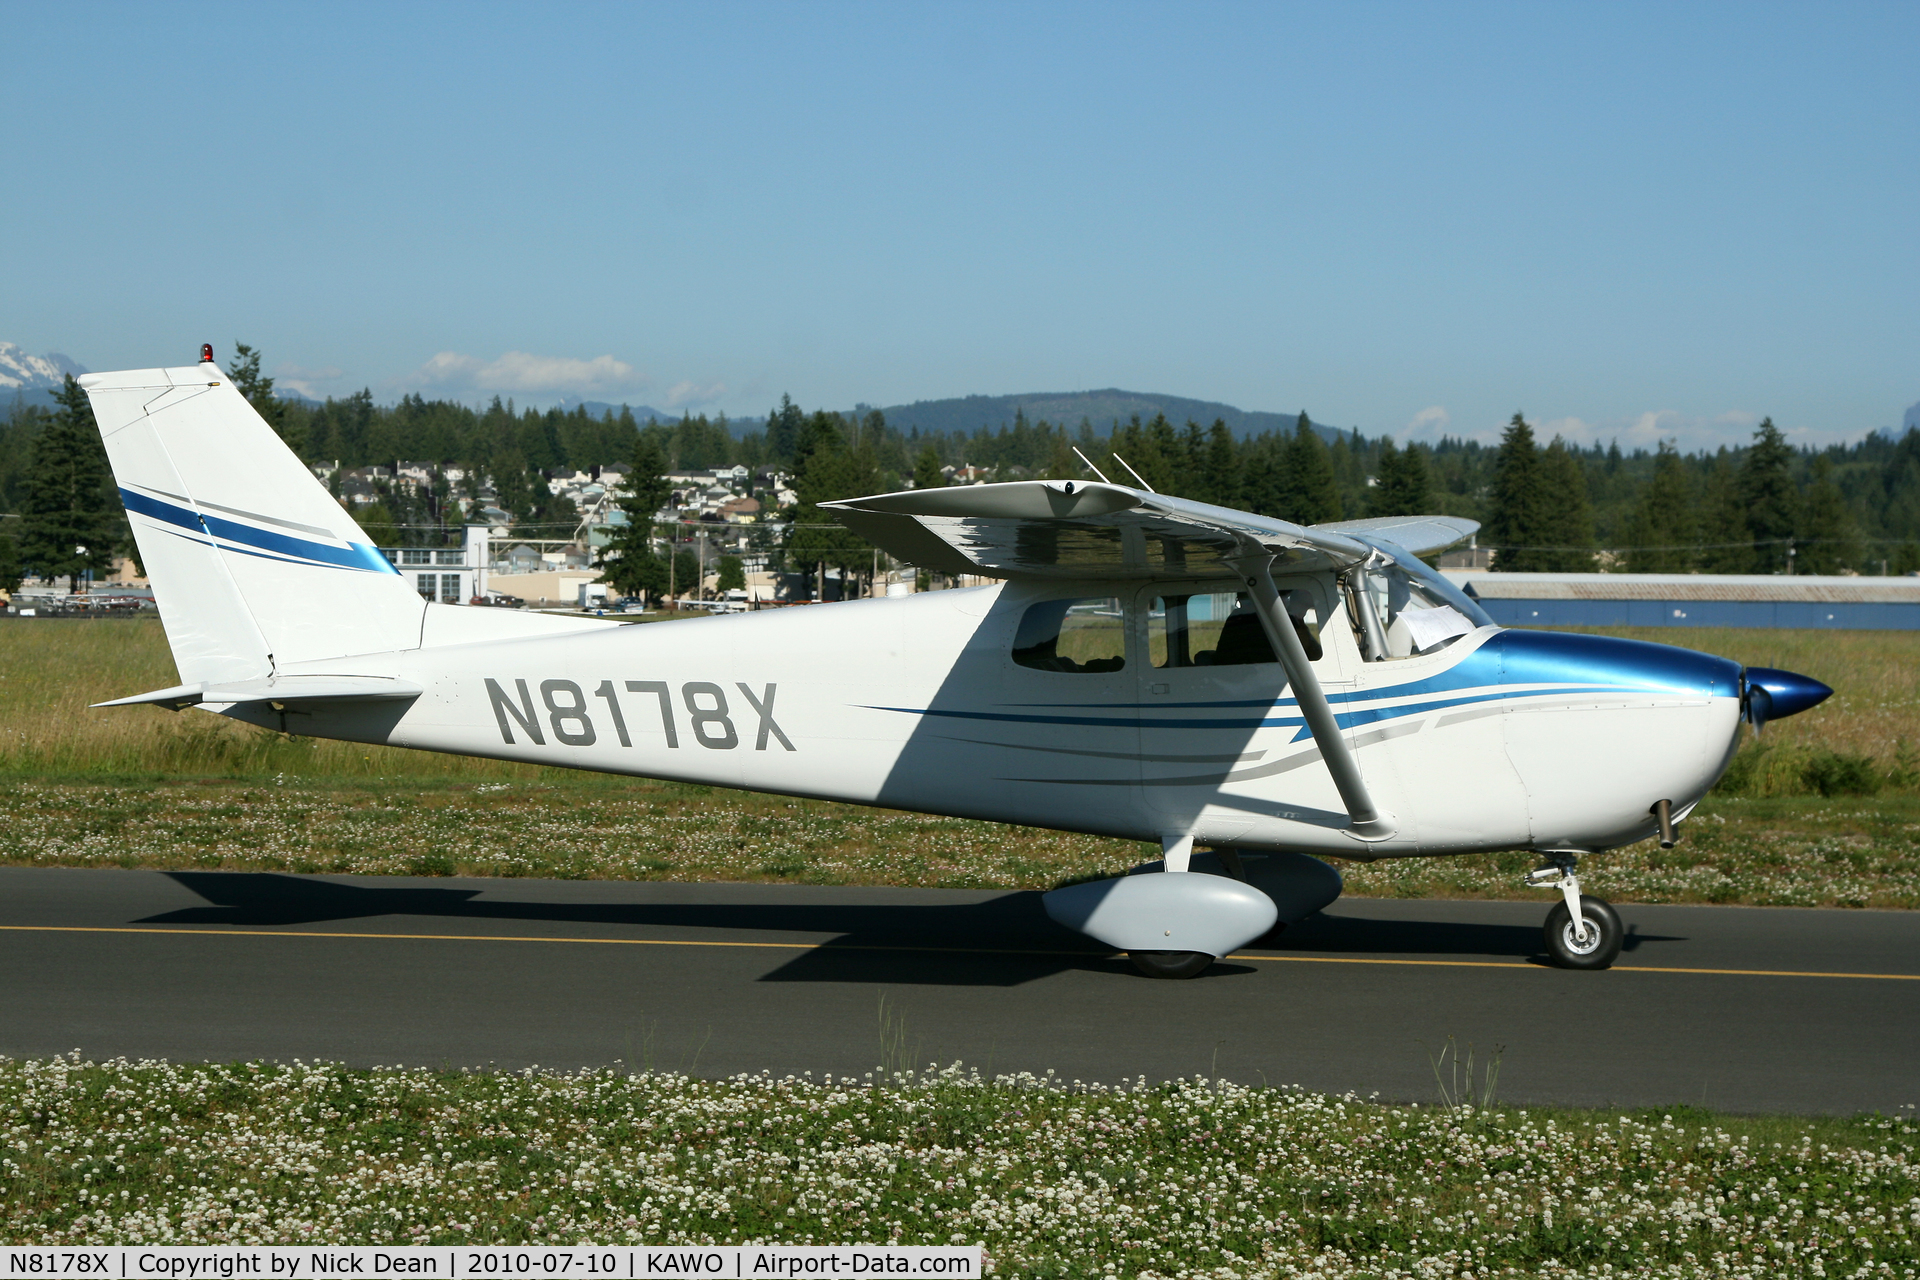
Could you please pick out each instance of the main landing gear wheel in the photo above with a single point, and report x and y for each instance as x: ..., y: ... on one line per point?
x: 1175, y: 964
x: 1597, y: 948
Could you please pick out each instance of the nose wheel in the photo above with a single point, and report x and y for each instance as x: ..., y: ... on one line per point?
x: 1582, y: 932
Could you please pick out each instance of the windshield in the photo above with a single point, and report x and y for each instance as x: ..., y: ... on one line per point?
x: 1405, y: 608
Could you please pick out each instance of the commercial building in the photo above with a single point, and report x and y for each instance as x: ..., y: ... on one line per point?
x: 451, y: 575
x: 1694, y: 600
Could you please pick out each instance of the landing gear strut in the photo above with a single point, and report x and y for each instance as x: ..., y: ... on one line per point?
x: 1581, y: 932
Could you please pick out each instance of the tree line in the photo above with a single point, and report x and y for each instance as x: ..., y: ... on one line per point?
x: 1764, y: 507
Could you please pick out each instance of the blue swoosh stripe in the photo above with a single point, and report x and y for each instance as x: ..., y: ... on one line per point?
x: 1366, y: 695
x: 1346, y: 719
x: 355, y: 555
x: 204, y: 541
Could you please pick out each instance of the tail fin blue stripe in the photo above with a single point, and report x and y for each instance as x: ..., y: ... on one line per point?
x: 355, y: 555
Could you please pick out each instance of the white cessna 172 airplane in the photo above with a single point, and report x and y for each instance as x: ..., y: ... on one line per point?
x: 1147, y: 668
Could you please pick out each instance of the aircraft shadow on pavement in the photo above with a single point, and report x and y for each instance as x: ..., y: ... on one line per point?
x: 1003, y: 941
x: 1361, y: 935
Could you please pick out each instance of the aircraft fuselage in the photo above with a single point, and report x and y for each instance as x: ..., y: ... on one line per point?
x: 1502, y: 739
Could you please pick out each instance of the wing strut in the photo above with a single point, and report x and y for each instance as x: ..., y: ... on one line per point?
x: 1365, y: 820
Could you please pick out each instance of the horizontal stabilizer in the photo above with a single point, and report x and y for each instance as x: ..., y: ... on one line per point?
x: 280, y: 689
x: 1421, y: 535
x: 1067, y: 529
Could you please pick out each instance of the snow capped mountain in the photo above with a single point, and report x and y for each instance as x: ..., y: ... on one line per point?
x: 22, y: 372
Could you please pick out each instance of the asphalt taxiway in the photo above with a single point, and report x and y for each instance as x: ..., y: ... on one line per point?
x: 1740, y: 1009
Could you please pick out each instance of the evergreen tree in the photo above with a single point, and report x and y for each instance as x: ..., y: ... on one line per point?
x: 1662, y: 535
x: 378, y: 523
x: 825, y: 468
x: 1149, y: 452
x: 1193, y: 462
x: 731, y: 577
x: 258, y: 389
x: 1899, y: 497
x: 1348, y: 456
x: 1566, y: 514
x: 1263, y: 476
x: 1061, y: 464
x: 9, y: 564
x: 71, y: 523
x: 783, y: 430
x: 1310, y: 488
x: 1220, y: 473
x: 1400, y: 485
x: 1513, y: 526
x: 1829, y: 538
x: 1416, y: 487
x: 1772, y: 502
x: 684, y: 578
x: 926, y: 469
x: 1726, y: 544
x: 628, y: 562
x: 1383, y: 497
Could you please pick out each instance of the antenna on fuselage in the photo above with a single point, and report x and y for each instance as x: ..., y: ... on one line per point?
x: 1136, y: 475
x: 1090, y: 466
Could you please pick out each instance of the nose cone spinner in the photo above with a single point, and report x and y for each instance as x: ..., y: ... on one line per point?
x: 1774, y: 695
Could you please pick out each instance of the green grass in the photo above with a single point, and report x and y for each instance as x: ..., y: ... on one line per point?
x: 138, y: 787
x: 1052, y: 1179
x: 52, y: 668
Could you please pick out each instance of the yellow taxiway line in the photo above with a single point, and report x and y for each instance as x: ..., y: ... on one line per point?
x: 852, y: 946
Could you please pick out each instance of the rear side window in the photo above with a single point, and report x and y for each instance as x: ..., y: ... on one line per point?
x: 1080, y: 636
x: 1222, y: 630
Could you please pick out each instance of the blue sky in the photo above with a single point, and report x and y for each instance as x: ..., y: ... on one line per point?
x: 1627, y: 220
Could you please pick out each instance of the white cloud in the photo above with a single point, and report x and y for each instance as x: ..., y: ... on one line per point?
x: 682, y: 395
x: 1692, y: 433
x: 293, y: 377
x: 522, y: 373
x: 1429, y: 424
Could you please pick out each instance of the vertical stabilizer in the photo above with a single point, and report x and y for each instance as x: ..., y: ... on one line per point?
x: 253, y: 563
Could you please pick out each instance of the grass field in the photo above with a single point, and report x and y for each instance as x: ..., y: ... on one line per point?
x: 1184, y: 1179
x: 1191, y: 1178
x: 137, y: 787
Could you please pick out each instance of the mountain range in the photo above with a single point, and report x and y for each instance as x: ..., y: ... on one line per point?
x: 33, y: 379
x: 968, y: 414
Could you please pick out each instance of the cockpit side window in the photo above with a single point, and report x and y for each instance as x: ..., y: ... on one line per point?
x: 1223, y: 630
x: 1080, y: 636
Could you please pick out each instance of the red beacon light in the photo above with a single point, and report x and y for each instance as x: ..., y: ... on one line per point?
x: 206, y: 353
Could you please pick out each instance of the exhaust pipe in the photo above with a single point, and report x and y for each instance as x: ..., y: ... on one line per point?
x: 1662, y: 812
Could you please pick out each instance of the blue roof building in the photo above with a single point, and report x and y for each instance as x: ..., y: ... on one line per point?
x: 1694, y: 600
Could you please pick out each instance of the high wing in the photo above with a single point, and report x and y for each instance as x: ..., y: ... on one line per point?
x: 1066, y: 528
x: 1421, y: 535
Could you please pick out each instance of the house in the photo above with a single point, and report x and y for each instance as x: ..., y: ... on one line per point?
x: 356, y: 487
